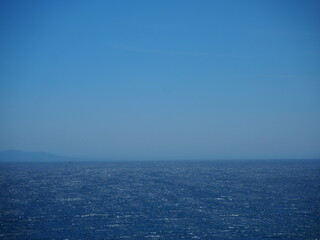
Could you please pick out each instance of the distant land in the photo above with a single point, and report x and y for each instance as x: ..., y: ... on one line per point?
x: 22, y: 156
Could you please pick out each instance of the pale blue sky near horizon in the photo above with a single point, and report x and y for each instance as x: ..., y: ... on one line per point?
x: 161, y: 79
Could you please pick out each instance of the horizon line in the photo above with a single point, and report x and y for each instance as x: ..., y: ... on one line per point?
x: 117, y: 159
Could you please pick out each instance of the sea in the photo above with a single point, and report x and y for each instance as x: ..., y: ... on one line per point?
x: 161, y: 200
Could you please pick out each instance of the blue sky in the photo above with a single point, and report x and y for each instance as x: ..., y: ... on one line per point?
x: 161, y: 79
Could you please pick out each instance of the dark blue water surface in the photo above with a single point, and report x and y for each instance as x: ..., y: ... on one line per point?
x: 160, y: 200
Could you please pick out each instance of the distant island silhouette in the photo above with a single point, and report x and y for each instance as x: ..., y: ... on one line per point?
x: 13, y: 155
x: 23, y: 156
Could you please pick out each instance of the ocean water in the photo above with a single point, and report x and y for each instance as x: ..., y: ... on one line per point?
x: 160, y: 200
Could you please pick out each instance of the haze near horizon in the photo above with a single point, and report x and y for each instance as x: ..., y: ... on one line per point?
x: 161, y: 79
